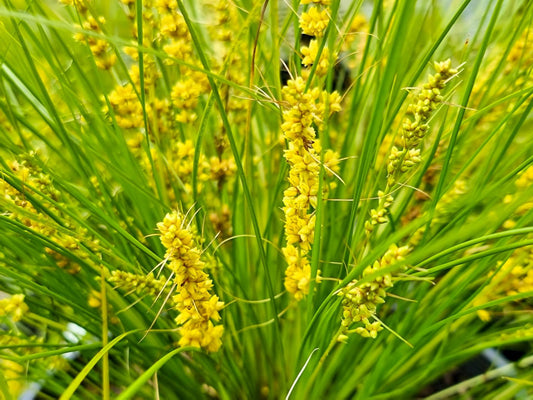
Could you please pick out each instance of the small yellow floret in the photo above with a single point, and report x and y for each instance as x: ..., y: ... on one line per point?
x: 13, y: 307
x: 314, y: 22
x: 310, y: 54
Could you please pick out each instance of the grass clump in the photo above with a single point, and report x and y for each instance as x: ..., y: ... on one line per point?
x: 315, y: 199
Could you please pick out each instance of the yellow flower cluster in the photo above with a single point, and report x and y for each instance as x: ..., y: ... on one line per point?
x: 512, y: 277
x: 197, y: 307
x: 14, y: 376
x: 164, y: 28
x: 183, y: 165
x: 102, y: 52
x: 94, y: 299
x: 221, y: 169
x: 73, y: 245
x: 225, y: 13
x: 523, y: 183
x: 22, y: 210
x: 525, y: 179
x: 13, y: 307
x: 302, y: 110
x: 127, y: 108
x: 173, y: 31
x: 216, y: 169
x: 358, y: 27
x: 139, y: 284
x: 520, y: 333
x: 185, y: 94
x: 169, y: 117
x: 414, y: 129
x: 18, y: 374
x: 416, y: 125
x: 521, y: 52
x: 360, y: 302
x: 310, y: 53
x: 314, y: 22
x: 126, y: 105
x: 516, y: 274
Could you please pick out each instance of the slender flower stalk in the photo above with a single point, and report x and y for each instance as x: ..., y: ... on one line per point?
x: 414, y: 128
x: 137, y: 283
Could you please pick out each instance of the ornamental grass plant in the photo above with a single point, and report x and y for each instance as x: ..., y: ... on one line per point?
x: 266, y: 199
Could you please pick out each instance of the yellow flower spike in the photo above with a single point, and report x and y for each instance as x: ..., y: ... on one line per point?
x: 414, y: 129
x: 222, y: 169
x: 301, y: 110
x: 104, y: 57
x: 177, y: 49
x: 194, y: 301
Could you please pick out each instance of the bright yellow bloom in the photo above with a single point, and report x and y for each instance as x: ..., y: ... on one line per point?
x: 126, y: 106
x: 194, y: 301
x: 298, y: 273
x: 314, y: 22
x: 173, y: 25
x: 13, y: 307
x: 310, y: 53
x: 166, y: 6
